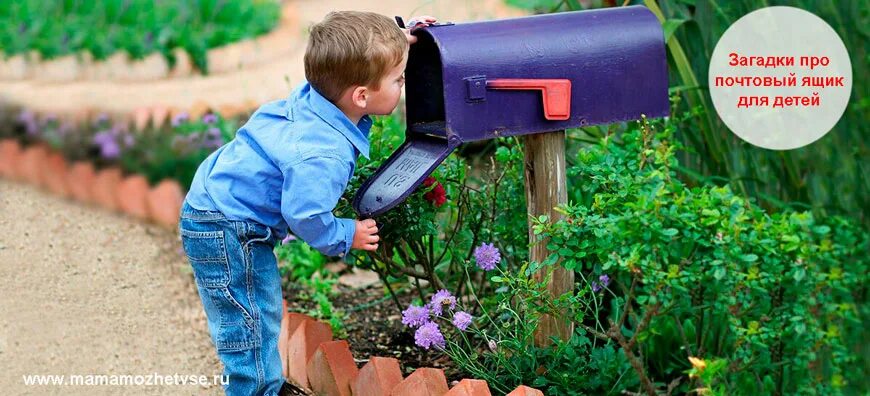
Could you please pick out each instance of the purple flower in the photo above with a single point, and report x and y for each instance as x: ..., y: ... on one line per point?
x: 26, y: 116
x: 129, y: 140
x: 179, y: 119
x: 429, y: 335
x: 288, y: 238
x: 440, y: 299
x: 212, y: 143
x: 603, y: 281
x: 415, y: 316
x: 213, y: 138
x: 487, y: 256
x: 461, y: 320
x: 102, y: 137
x: 110, y: 149
x: 209, y: 118
x: 493, y: 346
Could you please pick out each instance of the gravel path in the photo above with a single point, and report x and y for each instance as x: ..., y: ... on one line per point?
x: 86, y: 291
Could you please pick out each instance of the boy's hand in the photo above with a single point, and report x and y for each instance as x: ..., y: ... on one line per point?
x: 365, y: 237
x: 417, y: 22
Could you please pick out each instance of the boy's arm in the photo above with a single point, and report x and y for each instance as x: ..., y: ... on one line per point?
x: 310, y: 192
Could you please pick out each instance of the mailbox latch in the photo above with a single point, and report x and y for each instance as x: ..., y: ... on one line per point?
x: 476, y: 88
x: 556, y: 92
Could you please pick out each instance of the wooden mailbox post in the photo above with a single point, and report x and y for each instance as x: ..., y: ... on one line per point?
x: 546, y: 188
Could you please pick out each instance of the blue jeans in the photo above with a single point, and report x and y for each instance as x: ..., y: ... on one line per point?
x: 240, y: 287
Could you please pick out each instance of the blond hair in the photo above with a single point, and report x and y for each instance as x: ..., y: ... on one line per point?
x: 351, y: 48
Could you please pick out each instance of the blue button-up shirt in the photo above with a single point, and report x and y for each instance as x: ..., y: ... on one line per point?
x: 287, y: 167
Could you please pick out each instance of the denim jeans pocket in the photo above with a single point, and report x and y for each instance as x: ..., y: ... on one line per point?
x: 230, y: 323
x: 207, y: 253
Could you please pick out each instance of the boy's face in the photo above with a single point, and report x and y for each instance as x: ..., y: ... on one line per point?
x: 384, y: 100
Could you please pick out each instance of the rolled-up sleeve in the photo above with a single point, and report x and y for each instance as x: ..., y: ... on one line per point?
x: 309, y: 194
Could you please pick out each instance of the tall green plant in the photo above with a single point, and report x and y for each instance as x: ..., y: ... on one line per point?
x: 830, y: 176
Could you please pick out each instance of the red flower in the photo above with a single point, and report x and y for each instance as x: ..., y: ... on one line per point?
x: 438, y: 196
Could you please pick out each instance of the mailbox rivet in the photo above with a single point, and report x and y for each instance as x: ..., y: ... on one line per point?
x: 477, y: 84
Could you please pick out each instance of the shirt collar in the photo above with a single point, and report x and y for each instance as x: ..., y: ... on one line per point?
x: 358, y: 134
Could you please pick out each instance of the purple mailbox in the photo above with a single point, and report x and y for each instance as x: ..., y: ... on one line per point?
x: 483, y: 80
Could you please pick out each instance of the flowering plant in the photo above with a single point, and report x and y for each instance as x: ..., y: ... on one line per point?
x: 177, y: 150
x: 664, y: 272
x: 468, y: 203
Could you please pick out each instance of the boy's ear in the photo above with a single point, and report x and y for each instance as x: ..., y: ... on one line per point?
x: 360, y: 96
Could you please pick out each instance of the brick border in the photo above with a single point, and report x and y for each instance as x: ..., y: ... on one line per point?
x: 43, y: 167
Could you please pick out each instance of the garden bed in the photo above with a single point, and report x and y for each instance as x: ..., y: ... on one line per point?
x: 374, y: 327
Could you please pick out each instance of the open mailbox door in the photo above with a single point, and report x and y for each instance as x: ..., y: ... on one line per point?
x: 401, y: 174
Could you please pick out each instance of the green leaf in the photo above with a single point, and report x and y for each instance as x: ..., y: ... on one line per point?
x: 671, y: 25
x: 822, y: 230
x: 799, y: 274
x: 502, y: 154
x: 710, y: 212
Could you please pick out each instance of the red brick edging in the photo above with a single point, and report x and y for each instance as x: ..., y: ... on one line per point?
x: 109, y: 188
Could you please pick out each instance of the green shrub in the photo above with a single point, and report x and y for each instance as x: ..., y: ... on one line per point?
x: 139, y: 27
x: 678, y: 289
x: 705, y: 273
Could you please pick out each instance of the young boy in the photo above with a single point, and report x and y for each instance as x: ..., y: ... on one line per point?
x: 287, y: 168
